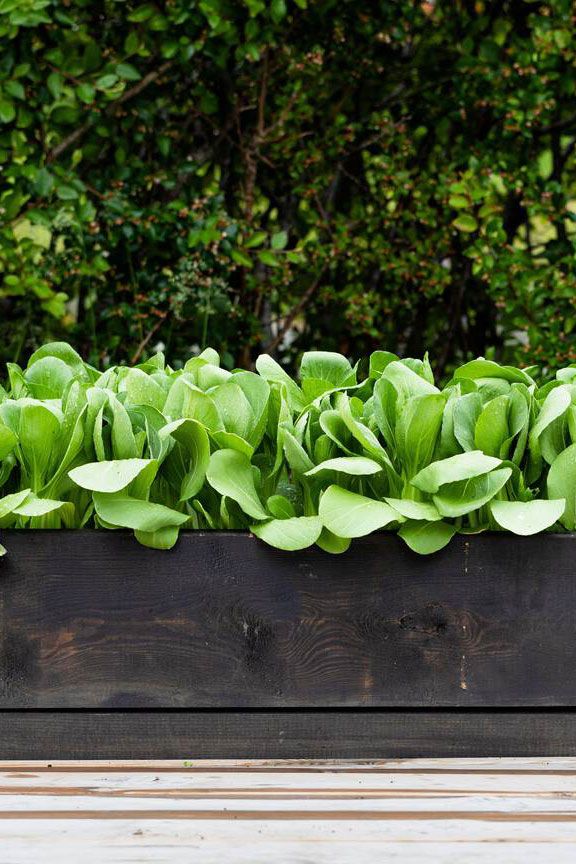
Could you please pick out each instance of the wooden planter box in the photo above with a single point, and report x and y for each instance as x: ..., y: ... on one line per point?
x: 224, y: 647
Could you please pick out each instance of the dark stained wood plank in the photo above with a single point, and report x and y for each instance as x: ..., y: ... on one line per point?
x: 284, y: 735
x: 94, y: 620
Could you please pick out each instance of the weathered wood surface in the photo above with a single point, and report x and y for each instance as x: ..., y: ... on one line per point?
x: 284, y: 734
x: 437, y: 811
x: 93, y: 620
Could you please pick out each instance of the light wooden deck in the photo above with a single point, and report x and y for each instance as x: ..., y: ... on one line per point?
x: 427, y: 811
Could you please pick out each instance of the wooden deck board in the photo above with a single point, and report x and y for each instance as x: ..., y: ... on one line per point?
x: 511, y: 811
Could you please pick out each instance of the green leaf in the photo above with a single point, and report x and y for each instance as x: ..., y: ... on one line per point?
x: 417, y: 429
x: 327, y: 366
x: 562, y: 484
x: 10, y: 502
x: 482, y: 368
x: 460, y: 467
x: 466, y: 223
x: 465, y: 496
x: 55, y: 84
x: 280, y: 507
x: 257, y: 393
x: 379, y: 360
x: 38, y: 234
x: 7, y: 111
x: 61, y: 351
x: 8, y: 441
x: 362, y: 433
x: 406, y: 382
x: 105, y: 82
x: 298, y: 532
x: 195, y: 445
x: 466, y: 413
x: 127, y: 71
x: 141, y: 389
x: 234, y: 409
x: 268, y: 258
x: 426, y: 537
x: 334, y: 427
x: 201, y: 407
x: 86, y: 93
x: 329, y: 542
x: 241, y: 258
x: 459, y: 201
x: 279, y: 240
x: 48, y: 377
x: 492, y: 426
x: 124, y: 444
x: 278, y: 10
x: 271, y: 371
x: 419, y: 510
x: 296, y: 455
x: 162, y: 538
x: 123, y: 511
x: 255, y: 239
x: 554, y: 406
x: 109, y: 476
x: 347, y: 514
x: 231, y: 441
x: 34, y: 506
x: 356, y: 465
x: 15, y: 89
x: 527, y: 517
x: 142, y: 13
x: 38, y: 433
x: 230, y: 474
x: 66, y: 193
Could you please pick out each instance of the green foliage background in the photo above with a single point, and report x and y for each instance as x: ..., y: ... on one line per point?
x: 288, y: 174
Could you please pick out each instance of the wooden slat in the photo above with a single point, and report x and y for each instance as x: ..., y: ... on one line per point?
x: 194, y: 769
x: 272, y: 735
x: 502, y: 812
x: 94, y: 620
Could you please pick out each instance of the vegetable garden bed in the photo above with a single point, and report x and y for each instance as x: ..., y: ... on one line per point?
x: 227, y: 647
x: 203, y: 643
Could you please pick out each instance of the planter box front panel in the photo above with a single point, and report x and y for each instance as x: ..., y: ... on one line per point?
x: 93, y: 620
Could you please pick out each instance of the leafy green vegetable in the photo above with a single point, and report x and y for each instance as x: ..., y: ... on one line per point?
x: 426, y: 537
x: 290, y: 534
x: 108, y: 476
x: 356, y: 465
x: 230, y: 474
x: 347, y: 514
x: 454, y: 468
x: 562, y: 484
x: 465, y: 496
x: 527, y: 517
x: 346, y: 451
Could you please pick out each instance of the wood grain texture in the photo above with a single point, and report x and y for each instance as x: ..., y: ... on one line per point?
x: 94, y: 620
x: 490, y: 811
x: 277, y: 734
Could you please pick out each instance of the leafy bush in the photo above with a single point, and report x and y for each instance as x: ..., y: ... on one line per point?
x: 338, y: 453
x: 277, y: 175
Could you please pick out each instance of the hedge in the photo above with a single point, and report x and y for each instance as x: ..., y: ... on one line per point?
x: 275, y: 176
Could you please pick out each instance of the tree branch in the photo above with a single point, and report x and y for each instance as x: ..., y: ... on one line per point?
x: 558, y: 126
x: 138, y: 353
x: 79, y: 133
x: 295, y: 311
